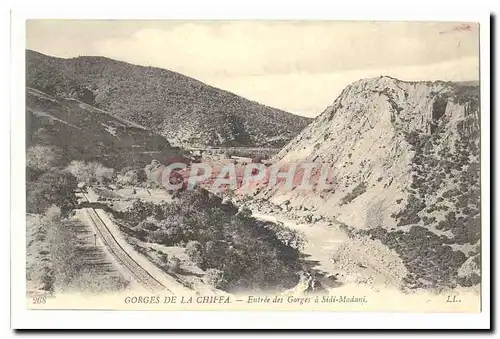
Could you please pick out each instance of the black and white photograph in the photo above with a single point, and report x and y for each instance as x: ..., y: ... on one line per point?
x: 253, y: 165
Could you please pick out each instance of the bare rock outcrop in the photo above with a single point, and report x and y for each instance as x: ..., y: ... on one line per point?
x: 374, y: 136
x: 405, y: 169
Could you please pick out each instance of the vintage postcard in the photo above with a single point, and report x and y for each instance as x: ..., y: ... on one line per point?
x: 253, y: 165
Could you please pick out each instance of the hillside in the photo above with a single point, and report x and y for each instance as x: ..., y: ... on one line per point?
x: 84, y: 132
x: 405, y: 161
x: 182, y: 109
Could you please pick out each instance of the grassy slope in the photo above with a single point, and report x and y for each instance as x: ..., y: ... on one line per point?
x: 85, y: 132
x: 61, y: 257
x: 176, y: 106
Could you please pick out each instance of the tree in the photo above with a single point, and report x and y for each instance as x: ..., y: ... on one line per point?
x: 103, y: 175
x: 32, y: 174
x: 80, y: 171
x: 194, y: 251
x: 215, y: 278
x: 91, y: 173
x: 130, y: 176
x: 138, y: 212
x: 43, y: 158
x: 52, y: 188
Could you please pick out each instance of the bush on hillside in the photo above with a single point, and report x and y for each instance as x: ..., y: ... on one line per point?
x: 72, y: 260
x: 91, y: 172
x: 356, y: 192
x: 215, y: 278
x: 287, y: 236
x: 43, y: 158
x: 430, y: 262
x: 130, y: 176
x: 52, y: 188
x: 248, y: 252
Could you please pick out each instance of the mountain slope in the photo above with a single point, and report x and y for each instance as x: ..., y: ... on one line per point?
x: 84, y: 132
x: 182, y: 109
x: 405, y: 162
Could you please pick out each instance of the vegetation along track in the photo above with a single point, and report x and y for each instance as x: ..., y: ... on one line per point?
x: 137, y: 271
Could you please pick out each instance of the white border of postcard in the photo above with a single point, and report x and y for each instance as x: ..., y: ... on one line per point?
x: 22, y: 318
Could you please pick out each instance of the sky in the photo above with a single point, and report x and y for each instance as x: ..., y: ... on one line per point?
x: 297, y: 66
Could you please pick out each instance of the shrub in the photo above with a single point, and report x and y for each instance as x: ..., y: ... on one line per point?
x: 148, y: 225
x: 214, y: 253
x: 215, y: 278
x: 174, y: 264
x: 72, y: 260
x: 131, y: 176
x: 138, y: 212
x: 171, y: 263
x: 91, y: 173
x: 430, y: 263
x: 409, y: 215
x: 43, y: 158
x: 470, y: 280
x: 244, y: 213
x: 356, y: 192
x: 167, y: 237
x: 32, y: 174
x: 52, y: 188
x: 287, y: 236
x: 248, y: 252
x: 194, y: 251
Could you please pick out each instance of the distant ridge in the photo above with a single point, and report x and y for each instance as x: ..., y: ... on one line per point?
x: 182, y: 109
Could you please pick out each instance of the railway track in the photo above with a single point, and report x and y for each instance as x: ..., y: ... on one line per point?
x: 136, y: 270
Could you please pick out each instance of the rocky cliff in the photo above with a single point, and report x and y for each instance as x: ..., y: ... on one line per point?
x: 405, y: 164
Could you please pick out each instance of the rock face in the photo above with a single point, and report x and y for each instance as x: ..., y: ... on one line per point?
x: 405, y: 164
x: 377, y: 136
x: 182, y: 109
